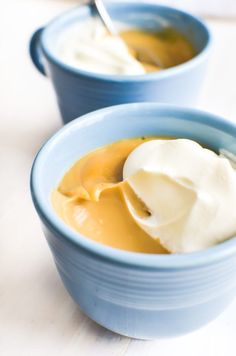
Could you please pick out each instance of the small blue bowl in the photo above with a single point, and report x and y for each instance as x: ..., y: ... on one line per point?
x: 134, y: 294
x: 79, y: 92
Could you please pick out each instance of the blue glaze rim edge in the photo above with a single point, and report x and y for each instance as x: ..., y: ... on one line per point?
x: 134, y: 259
x: 200, y: 57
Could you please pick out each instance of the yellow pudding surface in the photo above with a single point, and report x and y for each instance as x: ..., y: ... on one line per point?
x: 158, y: 50
x: 91, y: 198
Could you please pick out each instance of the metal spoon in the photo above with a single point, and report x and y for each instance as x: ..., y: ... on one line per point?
x: 107, y: 21
x: 105, y: 17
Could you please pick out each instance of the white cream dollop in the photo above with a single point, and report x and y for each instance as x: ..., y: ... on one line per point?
x: 88, y: 46
x: 189, y: 191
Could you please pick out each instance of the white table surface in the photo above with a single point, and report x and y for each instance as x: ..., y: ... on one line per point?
x: 37, y: 317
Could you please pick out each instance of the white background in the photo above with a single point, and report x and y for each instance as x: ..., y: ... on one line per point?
x: 37, y: 317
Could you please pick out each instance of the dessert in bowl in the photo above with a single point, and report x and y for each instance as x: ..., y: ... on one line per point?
x: 150, y: 195
x: 138, y: 294
x: 132, y: 51
x: 160, y: 56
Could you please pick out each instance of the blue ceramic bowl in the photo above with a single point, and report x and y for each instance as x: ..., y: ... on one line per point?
x: 79, y: 92
x: 139, y: 295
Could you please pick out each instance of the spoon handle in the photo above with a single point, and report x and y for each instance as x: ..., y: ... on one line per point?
x: 105, y: 17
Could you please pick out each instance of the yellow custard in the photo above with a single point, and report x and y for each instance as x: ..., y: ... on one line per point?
x: 91, y: 198
x: 158, y: 50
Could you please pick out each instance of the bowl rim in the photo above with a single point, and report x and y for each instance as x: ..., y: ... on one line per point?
x: 176, y: 70
x: 100, y: 251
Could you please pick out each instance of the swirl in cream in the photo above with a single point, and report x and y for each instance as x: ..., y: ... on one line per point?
x: 91, y: 48
x: 189, y: 191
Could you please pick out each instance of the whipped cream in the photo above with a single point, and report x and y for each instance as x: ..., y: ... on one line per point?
x: 189, y: 191
x: 88, y: 46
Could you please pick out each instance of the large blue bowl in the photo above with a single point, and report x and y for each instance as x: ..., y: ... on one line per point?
x: 79, y: 92
x: 139, y: 295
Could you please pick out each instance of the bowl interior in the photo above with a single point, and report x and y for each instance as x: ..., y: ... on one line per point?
x: 149, y: 16
x: 132, y: 120
x: 106, y: 126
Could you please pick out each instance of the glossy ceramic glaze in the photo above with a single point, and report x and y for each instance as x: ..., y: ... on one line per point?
x: 79, y: 92
x: 138, y: 295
